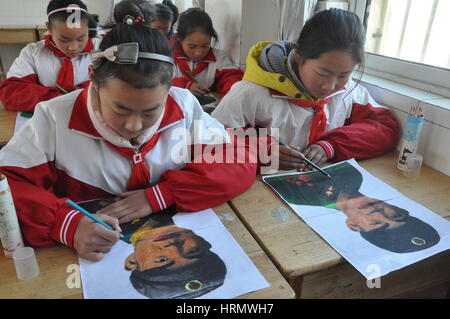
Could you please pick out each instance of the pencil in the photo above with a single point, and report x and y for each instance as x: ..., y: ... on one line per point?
x: 308, y: 161
x: 91, y: 216
x: 61, y: 89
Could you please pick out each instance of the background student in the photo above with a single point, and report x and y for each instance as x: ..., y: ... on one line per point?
x: 166, y: 17
x: 305, y: 90
x: 141, y: 10
x: 200, y: 67
x: 55, y: 65
x: 117, y: 138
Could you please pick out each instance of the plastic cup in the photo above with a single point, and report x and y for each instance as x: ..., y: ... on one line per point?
x: 413, y: 165
x: 26, y: 263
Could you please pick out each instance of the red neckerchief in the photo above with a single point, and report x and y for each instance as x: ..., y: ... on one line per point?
x: 319, y: 121
x: 181, y: 60
x: 140, y: 173
x: 65, y: 76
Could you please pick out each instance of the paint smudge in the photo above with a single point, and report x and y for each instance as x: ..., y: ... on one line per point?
x: 281, y: 213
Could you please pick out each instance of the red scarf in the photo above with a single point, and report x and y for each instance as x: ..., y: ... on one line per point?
x: 182, y: 61
x: 65, y: 76
x: 140, y: 173
x: 319, y: 121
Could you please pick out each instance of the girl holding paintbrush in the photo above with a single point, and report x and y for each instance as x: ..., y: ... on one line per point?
x: 305, y: 90
x: 56, y: 65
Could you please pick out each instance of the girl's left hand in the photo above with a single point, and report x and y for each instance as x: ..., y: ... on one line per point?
x: 316, y: 154
x: 130, y: 205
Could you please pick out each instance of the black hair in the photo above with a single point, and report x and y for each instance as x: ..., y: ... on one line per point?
x: 190, y: 281
x: 93, y: 21
x: 145, y: 73
x: 329, y: 30
x: 135, y: 8
x: 413, y: 235
x: 195, y: 20
x: 63, y: 15
x: 167, y: 11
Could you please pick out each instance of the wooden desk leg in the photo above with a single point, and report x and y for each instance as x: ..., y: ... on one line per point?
x: 296, y: 284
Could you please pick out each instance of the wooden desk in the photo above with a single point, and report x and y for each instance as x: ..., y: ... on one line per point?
x: 315, y: 270
x: 7, y: 123
x: 18, y: 34
x: 54, y: 262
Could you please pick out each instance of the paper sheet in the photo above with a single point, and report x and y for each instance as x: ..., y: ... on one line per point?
x: 372, y: 225
x: 108, y: 278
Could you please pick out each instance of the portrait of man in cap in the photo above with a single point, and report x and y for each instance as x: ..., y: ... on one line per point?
x: 168, y: 262
x: 171, y: 262
x: 380, y: 223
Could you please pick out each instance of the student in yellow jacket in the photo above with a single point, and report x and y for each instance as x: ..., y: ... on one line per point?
x: 305, y: 90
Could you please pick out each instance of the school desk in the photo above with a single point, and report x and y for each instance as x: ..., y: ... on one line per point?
x: 59, y: 264
x: 315, y: 270
x: 7, y: 123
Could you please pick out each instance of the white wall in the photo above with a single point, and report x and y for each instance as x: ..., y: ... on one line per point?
x: 435, y: 135
x: 259, y: 23
x: 226, y: 17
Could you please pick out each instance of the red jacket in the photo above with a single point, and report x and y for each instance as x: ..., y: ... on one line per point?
x: 216, y: 71
x: 59, y: 154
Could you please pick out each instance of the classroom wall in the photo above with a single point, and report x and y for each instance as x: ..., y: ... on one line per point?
x: 435, y: 136
x: 259, y: 23
x: 226, y: 17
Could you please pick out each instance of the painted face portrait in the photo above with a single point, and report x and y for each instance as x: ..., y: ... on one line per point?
x: 172, y: 262
x: 380, y: 223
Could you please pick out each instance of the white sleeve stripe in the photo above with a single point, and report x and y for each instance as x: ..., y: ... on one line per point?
x: 161, y: 197
x: 65, y: 226
x: 157, y: 198
x: 329, y: 147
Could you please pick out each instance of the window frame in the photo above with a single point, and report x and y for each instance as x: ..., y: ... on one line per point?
x: 421, y: 76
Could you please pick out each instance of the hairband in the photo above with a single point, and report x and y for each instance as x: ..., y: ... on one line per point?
x: 126, y: 53
x: 67, y: 9
x: 129, y: 19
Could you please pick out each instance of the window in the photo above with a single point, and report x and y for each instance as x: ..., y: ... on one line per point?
x: 407, y: 41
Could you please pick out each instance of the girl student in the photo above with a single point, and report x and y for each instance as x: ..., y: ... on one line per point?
x: 166, y: 17
x: 56, y: 65
x: 118, y: 138
x: 305, y: 90
x: 141, y: 10
x: 200, y: 67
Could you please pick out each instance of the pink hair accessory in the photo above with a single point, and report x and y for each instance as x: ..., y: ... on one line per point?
x: 66, y: 9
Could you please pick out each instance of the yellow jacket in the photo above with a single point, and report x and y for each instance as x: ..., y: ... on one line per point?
x: 276, y: 81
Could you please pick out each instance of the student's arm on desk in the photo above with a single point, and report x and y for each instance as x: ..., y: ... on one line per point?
x: 368, y: 132
x: 28, y: 163
x: 21, y: 91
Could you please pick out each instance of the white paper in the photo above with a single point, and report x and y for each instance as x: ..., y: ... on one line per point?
x: 370, y: 260
x: 20, y: 121
x: 108, y: 278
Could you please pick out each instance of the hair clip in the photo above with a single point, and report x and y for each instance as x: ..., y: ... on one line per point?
x: 129, y: 19
x: 126, y: 53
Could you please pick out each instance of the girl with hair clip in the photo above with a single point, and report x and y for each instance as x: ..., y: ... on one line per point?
x: 166, y: 17
x: 56, y: 65
x: 200, y: 67
x: 127, y: 11
x: 129, y: 135
x: 305, y: 90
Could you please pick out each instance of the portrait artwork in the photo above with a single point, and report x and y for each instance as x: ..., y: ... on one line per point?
x: 365, y: 220
x: 170, y: 256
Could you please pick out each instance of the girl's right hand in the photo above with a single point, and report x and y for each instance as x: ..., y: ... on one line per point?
x: 290, y: 159
x: 92, y: 240
x: 198, y: 89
